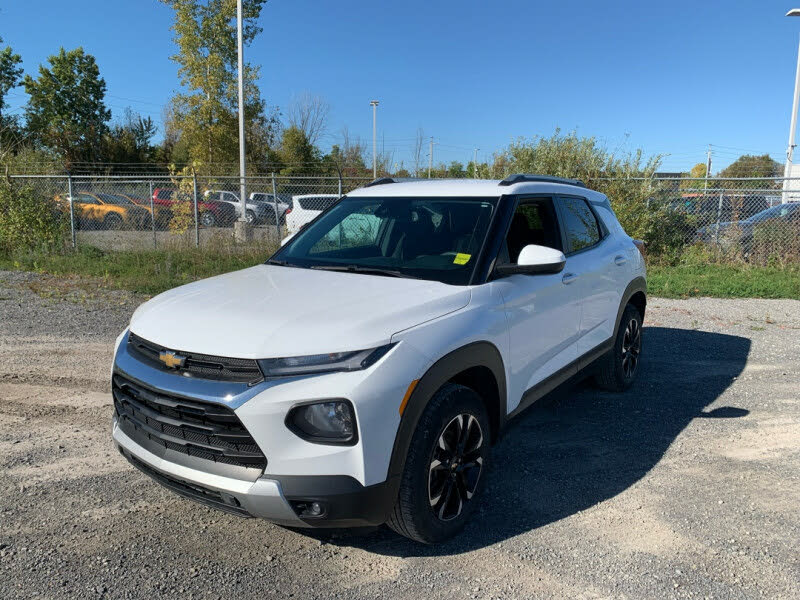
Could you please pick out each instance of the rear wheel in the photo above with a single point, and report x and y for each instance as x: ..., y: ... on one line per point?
x: 250, y: 217
x: 619, y: 367
x: 207, y: 219
x: 112, y: 221
x: 444, y: 470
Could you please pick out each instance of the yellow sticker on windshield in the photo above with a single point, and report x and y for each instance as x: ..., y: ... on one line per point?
x: 461, y: 259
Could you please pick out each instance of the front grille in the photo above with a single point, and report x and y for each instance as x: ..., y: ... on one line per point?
x: 201, y: 429
x: 203, y: 366
x: 193, y: 491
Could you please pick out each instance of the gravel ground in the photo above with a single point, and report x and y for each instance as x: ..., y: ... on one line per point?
x: 684, y: 487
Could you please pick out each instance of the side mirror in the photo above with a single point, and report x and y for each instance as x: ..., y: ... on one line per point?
x: 535, y: 260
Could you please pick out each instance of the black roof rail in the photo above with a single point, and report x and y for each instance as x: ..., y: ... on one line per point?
x: 381, y: 181
x: 524, y: 178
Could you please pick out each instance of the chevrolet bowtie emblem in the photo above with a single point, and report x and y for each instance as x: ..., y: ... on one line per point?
x: 172, y: 360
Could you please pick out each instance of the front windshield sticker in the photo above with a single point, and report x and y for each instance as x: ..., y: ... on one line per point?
x: 461, y: 259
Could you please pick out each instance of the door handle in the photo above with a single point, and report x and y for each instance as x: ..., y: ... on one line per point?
x: 620, y: 260
x: 569, y: 278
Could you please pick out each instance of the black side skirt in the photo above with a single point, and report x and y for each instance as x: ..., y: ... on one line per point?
x: 561, y: 376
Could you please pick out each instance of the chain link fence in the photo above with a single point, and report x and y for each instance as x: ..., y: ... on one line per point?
x: 140, y: 212
x: 755, y: 220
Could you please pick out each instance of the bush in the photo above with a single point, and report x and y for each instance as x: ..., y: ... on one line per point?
x: 29, y: 221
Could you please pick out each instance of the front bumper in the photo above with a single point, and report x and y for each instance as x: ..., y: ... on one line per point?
x: 350, y: 481
x: 261, y: 498
x: 345, y: 501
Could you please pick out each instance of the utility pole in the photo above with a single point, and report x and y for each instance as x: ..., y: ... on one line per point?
x: 430, y: 158
x: 241, y: 229
x: 374, y: 105
x: 708, y: 168
x: 475, y: 163
x: 787, y: 170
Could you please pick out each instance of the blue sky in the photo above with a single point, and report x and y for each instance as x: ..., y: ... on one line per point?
x: 669, y: 77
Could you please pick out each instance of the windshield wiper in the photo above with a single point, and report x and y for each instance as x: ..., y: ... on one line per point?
x: 364, y: 270
x: 275, y: 261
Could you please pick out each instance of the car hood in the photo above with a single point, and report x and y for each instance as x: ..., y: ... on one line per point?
x: 274, y: 311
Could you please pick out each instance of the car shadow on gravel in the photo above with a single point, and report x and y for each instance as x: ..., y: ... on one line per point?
x: 578, y: 446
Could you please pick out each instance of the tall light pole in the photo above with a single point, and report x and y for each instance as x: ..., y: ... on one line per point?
x: 475, y: 163
x: 374, y: 105
x: 430, y: 158
x: 241, y: 229
x: 787, y: 171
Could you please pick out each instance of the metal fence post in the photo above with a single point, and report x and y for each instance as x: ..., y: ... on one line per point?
x: 196, y: 216
x: 277, y: 217
x: 153, y: 216
x: 71, y: 211
x: 719, y: 218
x: 340, y: 185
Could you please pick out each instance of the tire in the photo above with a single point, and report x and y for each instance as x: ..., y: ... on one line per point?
x: 207, y: 219
x: 250, y: 217
x: 424, y: 511
x: 618, y: 368
x: 112, y: 221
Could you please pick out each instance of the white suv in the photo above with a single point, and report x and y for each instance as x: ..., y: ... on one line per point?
x: 415, y: 320
x: 305, y: 208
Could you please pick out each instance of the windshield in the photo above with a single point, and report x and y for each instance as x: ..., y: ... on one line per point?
x: 781, y: 210
x: 426, y: 238
x: 114, y: 199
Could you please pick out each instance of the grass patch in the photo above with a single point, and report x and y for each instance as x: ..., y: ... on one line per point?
x: 724, y: 281
x: 143, y: 271
x: 154, y: 271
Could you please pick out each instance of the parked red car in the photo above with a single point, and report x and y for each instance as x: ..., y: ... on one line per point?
x: 211, y: 212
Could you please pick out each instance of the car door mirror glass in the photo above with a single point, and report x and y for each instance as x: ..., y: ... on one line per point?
x: 534, y: 259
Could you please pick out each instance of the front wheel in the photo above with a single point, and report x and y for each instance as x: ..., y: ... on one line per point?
x: 250, y: 217
x: 445, y: 468
x: 618, y: 369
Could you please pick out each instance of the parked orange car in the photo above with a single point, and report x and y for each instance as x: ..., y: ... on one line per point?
x: 106, y: 211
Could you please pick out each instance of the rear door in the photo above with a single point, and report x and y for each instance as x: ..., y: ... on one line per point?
x: 542, y: 312
x: 596, y: 266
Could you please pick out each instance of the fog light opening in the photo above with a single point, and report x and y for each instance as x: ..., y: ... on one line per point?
x: 309, y: 509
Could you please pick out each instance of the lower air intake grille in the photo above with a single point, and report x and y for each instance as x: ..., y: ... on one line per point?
x: 202, y: 429
x: 191, y: 490
x: 202, y: 366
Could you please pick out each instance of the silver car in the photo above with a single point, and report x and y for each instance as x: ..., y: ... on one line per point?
x: 256, y: 211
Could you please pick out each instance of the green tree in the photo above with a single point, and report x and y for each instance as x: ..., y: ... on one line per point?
x: 66, y: 109
x: 205, y: 116
x: 130, y: 140
x: 753, y: 166
x: 297, y: 153
x: 455, y: 169
x: 10, y: 73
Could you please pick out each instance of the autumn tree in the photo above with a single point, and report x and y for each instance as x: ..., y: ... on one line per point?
x: 205, y: 116
x: 66, y: 110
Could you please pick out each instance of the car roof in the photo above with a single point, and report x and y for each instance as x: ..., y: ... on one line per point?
x: 472, y: 188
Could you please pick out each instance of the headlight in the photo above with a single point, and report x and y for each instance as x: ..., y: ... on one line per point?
x: 322, y: 363
x: 328, y: 422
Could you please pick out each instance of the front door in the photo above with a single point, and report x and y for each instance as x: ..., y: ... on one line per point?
x: 543, y: 313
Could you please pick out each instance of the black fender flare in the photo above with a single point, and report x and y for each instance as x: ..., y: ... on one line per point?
x: 639, y: 284
x: 476, y: 354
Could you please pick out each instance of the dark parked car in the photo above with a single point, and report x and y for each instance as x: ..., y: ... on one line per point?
x: 710, y: 207
x: 784, y: 217
x: 211, y: 212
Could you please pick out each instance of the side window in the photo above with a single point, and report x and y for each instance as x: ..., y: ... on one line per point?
x: 534, y: 222
x: 580, y: 225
